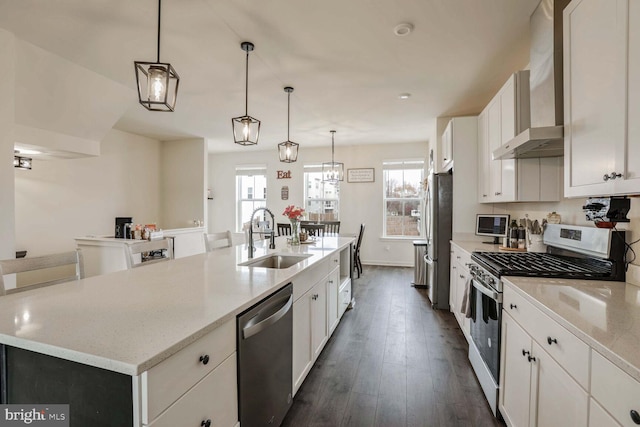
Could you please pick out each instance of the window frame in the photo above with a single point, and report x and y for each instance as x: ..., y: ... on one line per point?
x: 317, y: 169
x: 251, y: 171
x: 403, y: 164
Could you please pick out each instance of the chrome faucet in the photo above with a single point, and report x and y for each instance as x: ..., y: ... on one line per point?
x: 272, y: 236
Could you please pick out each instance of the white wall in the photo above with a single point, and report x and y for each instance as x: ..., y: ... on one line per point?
x: 183, y: 182
x: 359, y: 202
x: 7, y: 101
x: 61, y: 199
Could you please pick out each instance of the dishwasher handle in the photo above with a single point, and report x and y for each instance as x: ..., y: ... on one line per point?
x: 257, y: 324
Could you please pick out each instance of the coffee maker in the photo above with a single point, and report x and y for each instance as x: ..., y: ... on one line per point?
x: 123, y: 227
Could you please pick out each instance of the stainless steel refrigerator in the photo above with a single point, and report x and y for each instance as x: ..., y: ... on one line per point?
x: 439, y: 200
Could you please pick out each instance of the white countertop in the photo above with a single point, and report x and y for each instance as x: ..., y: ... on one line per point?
x: 129, y: 321
x: 604, y: 314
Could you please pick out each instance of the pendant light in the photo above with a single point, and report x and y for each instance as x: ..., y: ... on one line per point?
x: 246, y: 129
x: 21, y: 162
x: 288, y: 150
x: 157, y: 81
x: 332, y: 172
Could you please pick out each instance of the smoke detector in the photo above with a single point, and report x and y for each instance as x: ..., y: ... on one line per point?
x: 403, y: 29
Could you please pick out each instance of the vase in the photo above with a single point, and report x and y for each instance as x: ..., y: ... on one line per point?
x: 295, y: 232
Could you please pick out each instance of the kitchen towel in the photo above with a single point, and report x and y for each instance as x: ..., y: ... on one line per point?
x: 465, y: 307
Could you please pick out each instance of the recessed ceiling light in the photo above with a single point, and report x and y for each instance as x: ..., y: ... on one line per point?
x: 404, y: 95
x: 403, y: 29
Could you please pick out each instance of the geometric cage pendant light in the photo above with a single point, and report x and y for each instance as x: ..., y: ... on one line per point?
x: 246, y: 129
x: 157, y: 81
x: 288, y: 150
x: 332, y: 172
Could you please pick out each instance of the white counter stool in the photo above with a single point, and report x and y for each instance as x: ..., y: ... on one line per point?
x: 21, y: 265
x: 213, y: 241
x: 146, y: 246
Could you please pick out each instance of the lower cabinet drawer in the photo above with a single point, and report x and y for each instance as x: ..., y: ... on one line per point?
x: 344, y: 297
x: 164, y: 383
x: 598, y: 417
x: 567, y: 349
x: 214, y: 398
x: 614, y: 389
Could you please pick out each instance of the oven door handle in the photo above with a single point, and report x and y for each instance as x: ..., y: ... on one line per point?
x: 496, y: 296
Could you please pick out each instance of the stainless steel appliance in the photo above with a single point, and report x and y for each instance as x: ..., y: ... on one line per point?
x: 573, y: 252
x: 420, y: 266
x: 438, y: 222
x: 265, y: 343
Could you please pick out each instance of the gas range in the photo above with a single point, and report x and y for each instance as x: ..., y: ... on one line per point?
x: 573, y: 252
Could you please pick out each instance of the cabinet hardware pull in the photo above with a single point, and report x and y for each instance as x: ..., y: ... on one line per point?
x: 454, y: 267
x: 314, y: 297
x: 635, y: 417
x: 512, y: 306
x: 497, y: 193
x: 484, y: 195
x: 330, y: 281
x: 612, y: 175
x: 204, y: 359
x: 335, y: 260
x: 524, y: 352
x: 462, y: 276
x: 552, y: 340
x: 531, y: 358
x: 206, y: 423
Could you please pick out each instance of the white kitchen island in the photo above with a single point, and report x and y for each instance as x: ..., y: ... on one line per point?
x: 146, y: 329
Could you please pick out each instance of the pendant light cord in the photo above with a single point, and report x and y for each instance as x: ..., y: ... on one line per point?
x: 288, y: 113
x: 159, y: 9
x: 332, y: 160
x: 246, y: 87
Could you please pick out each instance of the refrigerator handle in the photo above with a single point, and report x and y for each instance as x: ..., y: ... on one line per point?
x: 428, y: 260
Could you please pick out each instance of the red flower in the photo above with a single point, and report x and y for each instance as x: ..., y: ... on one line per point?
x: 293, y: 212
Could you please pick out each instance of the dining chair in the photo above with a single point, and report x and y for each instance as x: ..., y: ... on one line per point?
x: 213, y: 241
x: 150, y: 251
x: 313, y: 229
x: 284, y: 229
x: 331, y: 227
x: 21, y: 265
x: 357, y: 263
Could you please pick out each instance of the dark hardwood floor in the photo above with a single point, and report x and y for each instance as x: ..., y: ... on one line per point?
x: 392, y: 361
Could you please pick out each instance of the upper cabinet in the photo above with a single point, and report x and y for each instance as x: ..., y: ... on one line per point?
x: 523, y: 180
x: 446, y: 143
x: 602, y: 93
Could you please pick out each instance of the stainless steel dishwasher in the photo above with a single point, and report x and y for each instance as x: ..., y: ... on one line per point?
x: 265, y: 337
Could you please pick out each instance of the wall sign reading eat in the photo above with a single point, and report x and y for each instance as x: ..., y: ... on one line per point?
x: 284, y: 174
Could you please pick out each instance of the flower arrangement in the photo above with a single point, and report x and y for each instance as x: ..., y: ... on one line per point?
x: 293, y: 212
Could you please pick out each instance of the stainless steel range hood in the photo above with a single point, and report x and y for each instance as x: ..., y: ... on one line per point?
x: 545, y: 136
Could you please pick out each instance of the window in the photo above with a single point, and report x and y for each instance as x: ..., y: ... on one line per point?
x: 251, y: 192
x: 322, y: 201
x: 403, y: 198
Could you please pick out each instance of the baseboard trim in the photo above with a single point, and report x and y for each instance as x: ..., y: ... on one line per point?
x: 387, y: 263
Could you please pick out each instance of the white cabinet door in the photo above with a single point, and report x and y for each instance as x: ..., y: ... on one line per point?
x: 333, y: 285
x: 483, y: 157
x: 598, y: 417
x: 515, y: 373
x: 319, y: 325
x: 558, y: 400
x: 302, y: 354
x: 594, y: 94
x: 631, y: 173
x: 507, y: 132
x: 453, y: 269
x: 462, y: 274
x: 494, y: 133
x: 447, y: 147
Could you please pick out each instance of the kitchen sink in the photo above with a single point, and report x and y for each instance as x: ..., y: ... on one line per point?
x: 277, y: 261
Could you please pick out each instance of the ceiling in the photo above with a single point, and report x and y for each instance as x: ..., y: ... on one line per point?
x: 343, y: 59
